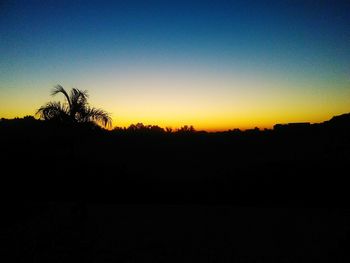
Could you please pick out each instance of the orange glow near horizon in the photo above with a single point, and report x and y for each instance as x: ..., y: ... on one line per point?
x: 236, y: 103
x: 216, y: 102
x: 175, y: 96
x: 201, y: 120
x: 208, y: 101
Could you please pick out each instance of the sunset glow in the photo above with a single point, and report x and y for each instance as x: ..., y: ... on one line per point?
x: 213, y: 65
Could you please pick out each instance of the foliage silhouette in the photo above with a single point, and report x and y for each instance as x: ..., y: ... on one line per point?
x: 141, y: 128
x: 186, y: 129
x: 74, y: 110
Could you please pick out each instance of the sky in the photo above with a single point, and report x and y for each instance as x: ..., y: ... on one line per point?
x: 216, y: 65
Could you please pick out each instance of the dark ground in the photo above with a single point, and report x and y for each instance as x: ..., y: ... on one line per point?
x: 74, y: 195
x: 181, y: 233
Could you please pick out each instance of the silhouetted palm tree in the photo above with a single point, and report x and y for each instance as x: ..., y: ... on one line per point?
x: 74, y: 110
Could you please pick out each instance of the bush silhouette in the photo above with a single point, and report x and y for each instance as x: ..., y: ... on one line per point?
x: 186, y: 129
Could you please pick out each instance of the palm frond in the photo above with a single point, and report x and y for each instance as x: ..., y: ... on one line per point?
x: 96, y: 115
x: 78, y: 96
x: 78, y: 101
x: 59, y: 89
x: 76, y: 109
x: 53, y: 110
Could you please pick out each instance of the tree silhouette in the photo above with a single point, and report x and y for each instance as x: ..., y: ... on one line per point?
x: 74, y: 110
x: 186, y: 129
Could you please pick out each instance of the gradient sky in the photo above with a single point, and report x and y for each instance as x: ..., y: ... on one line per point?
x: 214, y: 64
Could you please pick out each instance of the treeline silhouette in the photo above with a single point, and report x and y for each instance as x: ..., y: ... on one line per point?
x: 291, y: 164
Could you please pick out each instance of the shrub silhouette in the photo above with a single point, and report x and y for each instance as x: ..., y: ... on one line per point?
x: 141, y: 128
x: 186, y: 129
x: 74, y: 110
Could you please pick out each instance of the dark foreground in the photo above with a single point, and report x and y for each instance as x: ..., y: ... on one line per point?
x: 76, y: 194
x: 174, y: 233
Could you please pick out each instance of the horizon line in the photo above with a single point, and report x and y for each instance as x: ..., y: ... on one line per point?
x: 174, y: 129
